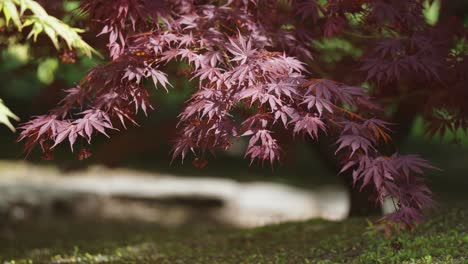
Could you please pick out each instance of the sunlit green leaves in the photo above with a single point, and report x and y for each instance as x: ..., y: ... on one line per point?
x: 10, y: 12
x: 5, y: 115
x: 431, y: 11
x: 41, y: 22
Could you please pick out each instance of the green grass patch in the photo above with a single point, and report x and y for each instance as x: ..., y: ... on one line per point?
x: 442, y: 239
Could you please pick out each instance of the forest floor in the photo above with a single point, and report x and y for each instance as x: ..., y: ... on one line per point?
x: 442, y: 239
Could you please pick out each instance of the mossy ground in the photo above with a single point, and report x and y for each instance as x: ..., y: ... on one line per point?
x: 442, y: 239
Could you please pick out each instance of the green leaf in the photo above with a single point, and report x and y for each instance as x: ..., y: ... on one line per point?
x: 11, y: 13
x: 41, y: 22
x: 5, y: 115
x: 431, y: 11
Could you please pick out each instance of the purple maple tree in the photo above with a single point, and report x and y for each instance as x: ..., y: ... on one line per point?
x: 255, y: 67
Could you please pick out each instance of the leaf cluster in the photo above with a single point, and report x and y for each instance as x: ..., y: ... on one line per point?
x: 29, y: 13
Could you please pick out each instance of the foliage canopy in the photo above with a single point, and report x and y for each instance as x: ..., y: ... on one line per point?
x: 260, y: 75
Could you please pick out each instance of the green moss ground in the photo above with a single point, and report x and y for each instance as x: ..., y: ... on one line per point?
x: 442, y: 239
